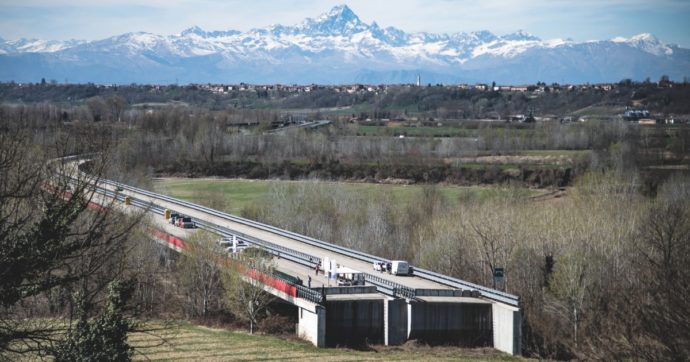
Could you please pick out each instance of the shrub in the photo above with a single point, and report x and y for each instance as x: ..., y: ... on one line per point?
x: 276, y: 324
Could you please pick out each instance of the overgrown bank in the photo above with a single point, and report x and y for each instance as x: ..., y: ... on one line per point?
x: 470, y: 174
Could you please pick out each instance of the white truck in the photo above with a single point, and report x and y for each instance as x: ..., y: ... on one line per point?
x: 347, y: 276
x: 400, y: 267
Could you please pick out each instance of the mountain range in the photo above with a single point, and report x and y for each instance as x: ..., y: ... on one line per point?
x: 338, y: 47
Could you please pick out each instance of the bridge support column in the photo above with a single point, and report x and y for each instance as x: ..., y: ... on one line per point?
x: 439, y: 323
x: 395, y: 329
x: 507, y: 328
x: 312, y: 325
x: 409, y: 320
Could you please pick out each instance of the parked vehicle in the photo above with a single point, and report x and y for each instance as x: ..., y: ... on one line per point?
x: 400, y: 267
x: 185, y: 222
x: 379, y: 266
x: 344, y: 282
x: 173, y: 218
x: 347, y: 277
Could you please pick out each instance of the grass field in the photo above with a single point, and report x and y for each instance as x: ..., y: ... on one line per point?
x: 565, y: 153
x: 239, y: 193
x: 416, y: 131
x: 186, y: 342
x: 601, y: 111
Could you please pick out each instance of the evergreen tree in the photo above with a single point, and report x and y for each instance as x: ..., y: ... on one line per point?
x: 105, y: 337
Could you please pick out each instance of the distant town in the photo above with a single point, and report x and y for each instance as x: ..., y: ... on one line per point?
x: 368, y: 88
x: 648, y: 102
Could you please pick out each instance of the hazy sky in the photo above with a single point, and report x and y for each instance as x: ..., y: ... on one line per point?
x: 580, y: 20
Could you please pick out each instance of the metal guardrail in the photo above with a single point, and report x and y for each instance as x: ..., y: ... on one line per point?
x: 486, y: 292
x: 396, y: 288
x: 422, y: 273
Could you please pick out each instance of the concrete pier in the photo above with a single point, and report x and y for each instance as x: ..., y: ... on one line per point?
x: 507, y: 328
x: 395, y: 325
x: 354, y: 322
x: 311, y: 325
x: 448, y: 323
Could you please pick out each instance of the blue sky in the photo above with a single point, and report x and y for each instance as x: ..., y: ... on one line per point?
x: 580, y: 20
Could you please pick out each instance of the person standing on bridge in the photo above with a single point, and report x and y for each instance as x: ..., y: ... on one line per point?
x: 309, y: 281
x: 317, y: 267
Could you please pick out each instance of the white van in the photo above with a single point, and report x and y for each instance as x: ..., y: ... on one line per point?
x: 400, y: 267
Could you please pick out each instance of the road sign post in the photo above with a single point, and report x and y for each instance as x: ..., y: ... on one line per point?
x: 498, y: 276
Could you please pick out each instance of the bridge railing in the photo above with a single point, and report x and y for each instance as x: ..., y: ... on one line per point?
x: 309, y: 294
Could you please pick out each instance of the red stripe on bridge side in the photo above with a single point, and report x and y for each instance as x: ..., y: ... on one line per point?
x: 275, y: 283
x: 272, y: 282
x: 67, y: 196
x: 173, y: 241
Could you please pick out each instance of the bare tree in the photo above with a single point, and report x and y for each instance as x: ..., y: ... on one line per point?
x: 98, y: 108
x: 570, y: 282
x: 200, y: 274
x: 244, y: 287
x: 208, y: 140
x: 494, y: 228
x: 116, y: 106
x: 152, y: 264
x: 664, y: 248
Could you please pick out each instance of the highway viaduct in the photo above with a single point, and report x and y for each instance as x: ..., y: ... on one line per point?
x: 388, y: 309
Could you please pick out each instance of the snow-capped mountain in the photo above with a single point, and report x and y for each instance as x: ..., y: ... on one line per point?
x: 35, y: 45
x: 646, y: 42
x: 338, y: 47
